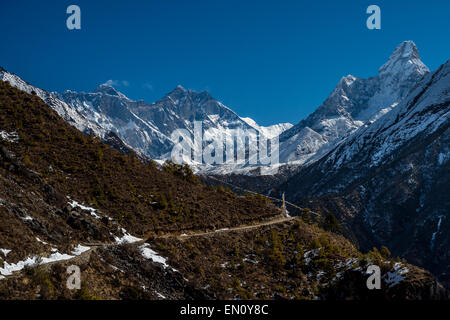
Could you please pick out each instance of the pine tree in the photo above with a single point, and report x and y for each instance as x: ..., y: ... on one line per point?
x: 331, y: 224
x: 385, y: 252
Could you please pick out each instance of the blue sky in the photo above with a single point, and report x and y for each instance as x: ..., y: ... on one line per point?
x: 274, y: 61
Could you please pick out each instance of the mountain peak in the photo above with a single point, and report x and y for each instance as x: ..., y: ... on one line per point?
x: 404, y: 59
x: 406, y: 49
x: 178, y: 91
x: 346, y: 81
x: 106, y: 89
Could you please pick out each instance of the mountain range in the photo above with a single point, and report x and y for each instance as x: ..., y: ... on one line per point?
x: 137, y: 230
x: 145, y: 128
x: 374, y: 153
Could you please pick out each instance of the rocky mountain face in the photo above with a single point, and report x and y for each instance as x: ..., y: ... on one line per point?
x: 137, y: 231
x: 354, y: 102
x: 389, y: 180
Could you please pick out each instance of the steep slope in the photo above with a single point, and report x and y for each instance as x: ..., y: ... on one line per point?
x: 352, y: 103
x: 64, y: 110
x: 389, y: 180
x: 294, y: 260
x: 71, y: 115
x: 66, y: 198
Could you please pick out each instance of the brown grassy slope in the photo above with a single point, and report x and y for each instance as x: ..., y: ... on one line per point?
x: 292, y: 260
x: 114, y: 272
x: 258, y: 263
x: 137, y: 195
x: 267, y: 262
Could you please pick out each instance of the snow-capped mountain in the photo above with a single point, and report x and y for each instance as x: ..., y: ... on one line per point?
x: 389, y: 180
x: 352, y: 103
x: 113, y: 112
x: 147, y: 128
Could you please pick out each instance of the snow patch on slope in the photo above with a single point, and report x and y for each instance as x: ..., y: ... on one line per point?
x: 127, y: 238
x: 269, y: 131
x: 92, y: 211
x: 396, y: 276
x: 10, y: 137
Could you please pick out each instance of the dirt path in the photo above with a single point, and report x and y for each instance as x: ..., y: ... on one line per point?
x: 185, y: 236
x: 84, y: 256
